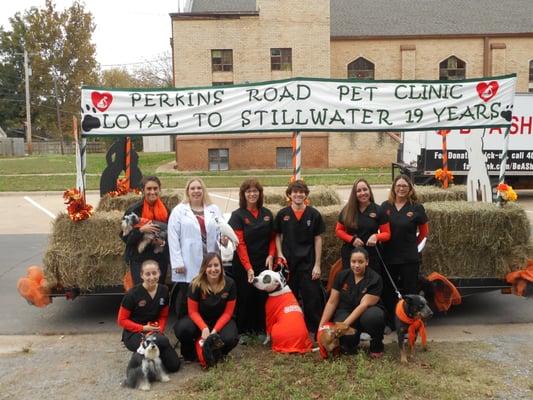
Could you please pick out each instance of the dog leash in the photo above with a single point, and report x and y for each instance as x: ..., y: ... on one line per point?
x: 388, y: 273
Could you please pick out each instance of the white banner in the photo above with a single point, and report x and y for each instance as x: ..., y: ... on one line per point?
x: 300, y: 104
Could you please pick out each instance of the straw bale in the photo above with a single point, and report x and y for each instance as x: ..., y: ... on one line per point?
x: 476, y: 239
x: 433, y: 193
x: 121, y: 203
x: 86, y: 254
x: 319, y: 196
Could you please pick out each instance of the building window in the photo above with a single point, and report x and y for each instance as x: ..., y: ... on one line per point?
x: 452, y: 69
x: 218, y: 159
x: 281, y: 59
x: 222, y: 83
x: 283, y: 157
x: 361, y: 69
x: 531, y: 76
x: 222, y: 60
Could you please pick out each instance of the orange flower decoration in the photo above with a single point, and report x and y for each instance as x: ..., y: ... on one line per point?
x: 441, y: 175
x: 506, y: 192
x: 123, y: 188
x: 77, y: 209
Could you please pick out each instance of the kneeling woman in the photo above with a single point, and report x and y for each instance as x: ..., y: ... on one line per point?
x: 210, y: 302
x: 355, y: 300
x: 144, y: 310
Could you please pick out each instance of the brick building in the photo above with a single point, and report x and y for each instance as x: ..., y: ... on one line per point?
x: 219, y: 42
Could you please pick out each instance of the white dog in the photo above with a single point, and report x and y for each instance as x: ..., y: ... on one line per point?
x: 285, y: 323
x: 145, y: 366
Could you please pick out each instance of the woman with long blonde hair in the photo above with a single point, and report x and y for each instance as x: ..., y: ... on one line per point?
x: 192, y: 233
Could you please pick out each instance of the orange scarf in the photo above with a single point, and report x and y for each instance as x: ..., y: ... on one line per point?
x: 155, y: 212
x: 416, y: 325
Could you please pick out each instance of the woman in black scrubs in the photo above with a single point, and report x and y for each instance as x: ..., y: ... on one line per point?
x: 406, y: 217
x: 362, y: 223
x: 144, y: 310
x: 355, y: 300
x: 253, y: 225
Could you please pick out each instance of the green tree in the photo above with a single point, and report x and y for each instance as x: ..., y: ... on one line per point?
x: 118, y: 78
x: 62, y: 58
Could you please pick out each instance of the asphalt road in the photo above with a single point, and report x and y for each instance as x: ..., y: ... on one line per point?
x: 23, y: 240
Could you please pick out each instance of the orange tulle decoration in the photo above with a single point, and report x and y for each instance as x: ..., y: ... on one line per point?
x: 33, y: 287
x: 123, y: 188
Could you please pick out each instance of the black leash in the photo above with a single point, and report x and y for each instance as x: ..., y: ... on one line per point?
x: 388, y: 273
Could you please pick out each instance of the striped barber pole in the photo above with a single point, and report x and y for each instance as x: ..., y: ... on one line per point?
x: 128, y: 162
x: 503, y: 164
x: 296, y: 142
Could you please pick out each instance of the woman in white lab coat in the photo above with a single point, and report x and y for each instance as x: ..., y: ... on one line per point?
x: 192, y: 233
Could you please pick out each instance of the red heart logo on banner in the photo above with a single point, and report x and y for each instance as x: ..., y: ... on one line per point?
x: 101, y: 101
x: 487, y: 91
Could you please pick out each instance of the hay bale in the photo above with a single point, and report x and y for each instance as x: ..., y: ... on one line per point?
x: 476, y: 239
x: 433, y: 193
x: 86, y: 254
x: 121, y: 203
x: 320, y: 196
x: 331, y: 245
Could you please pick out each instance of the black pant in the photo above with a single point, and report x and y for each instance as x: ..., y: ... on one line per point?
x: 187, y: 332
x: 135, y: 269
x: 250, y: 303
x: 405, y: 278
x: 312, y: 294
x: 168, y: 355
x: 372, y: 321
x: 180, y: 306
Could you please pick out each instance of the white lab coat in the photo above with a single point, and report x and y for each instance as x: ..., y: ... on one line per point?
x: 185, y: 240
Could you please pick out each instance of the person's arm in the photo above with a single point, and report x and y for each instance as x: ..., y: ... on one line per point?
x: 367, y: 301
x: 225, y: 317
x: 125, y: 322
x: 242, y: 251
x: 279, y: 239
x: 330, y: 307
x: 382, y: 236
x: 194, y: 314
x: 315, y: 274
x: 340, y: 232
x: 163, y: 318
x: 269, y: 262
x: 423, y: 231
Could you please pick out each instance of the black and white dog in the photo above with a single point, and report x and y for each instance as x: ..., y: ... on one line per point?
x: 145, y: 366
x: 132, y: 220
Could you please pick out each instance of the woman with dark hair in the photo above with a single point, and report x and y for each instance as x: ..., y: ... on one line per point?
x: 362, y: 223
x: 254, y: 226
x: 211, y: 302
x: 355, y: 300
x: 151, y: 208
x: 406, y: 217
x: 144, y: 311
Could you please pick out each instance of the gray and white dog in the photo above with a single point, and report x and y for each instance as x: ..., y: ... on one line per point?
x: 145, y: 366
x: 157, y: 239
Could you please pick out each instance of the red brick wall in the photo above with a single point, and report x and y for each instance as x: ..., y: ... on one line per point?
x: 249, y: 151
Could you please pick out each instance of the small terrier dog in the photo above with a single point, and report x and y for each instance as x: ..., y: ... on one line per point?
x: 328, y: 337
x: 145, y: 366
x: 411, y: 311
x: 132, y: 220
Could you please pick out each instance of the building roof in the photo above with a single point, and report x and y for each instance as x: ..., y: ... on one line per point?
x: 370, y: 18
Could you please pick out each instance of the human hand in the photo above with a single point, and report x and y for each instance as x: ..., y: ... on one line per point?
x: 181, y: 270
x: 205, y: 333
x: 149, y: 228
x: 269, y: 262
x: 250, y: 275
x: 149, y: 327
x: 372, y: 240
x: 358, y: 242
x: 316, y: 272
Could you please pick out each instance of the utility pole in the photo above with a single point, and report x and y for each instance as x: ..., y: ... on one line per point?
x: 28, y: 112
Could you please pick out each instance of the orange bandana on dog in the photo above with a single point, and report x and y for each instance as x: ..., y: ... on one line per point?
x: 155, y: 212
x: 415, y: 325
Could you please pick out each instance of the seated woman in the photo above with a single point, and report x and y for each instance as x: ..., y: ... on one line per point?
x: 355, y: 300
x: 211, y: 302
x: 144, y: 310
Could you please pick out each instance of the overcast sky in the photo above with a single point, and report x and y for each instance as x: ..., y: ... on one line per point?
x: 127, y: 31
